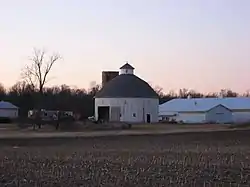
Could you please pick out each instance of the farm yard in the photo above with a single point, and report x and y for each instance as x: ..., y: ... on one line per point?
x: 187, y: 159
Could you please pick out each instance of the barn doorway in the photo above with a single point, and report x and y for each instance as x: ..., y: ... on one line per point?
x: 148, y: 118
x: 103, y: 113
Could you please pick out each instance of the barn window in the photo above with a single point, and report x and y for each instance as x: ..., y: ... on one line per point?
x: 134, y: 114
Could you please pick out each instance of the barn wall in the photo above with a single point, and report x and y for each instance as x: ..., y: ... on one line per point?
x: 9, y: 113
x: 115, y: 112
x: 219, y: 114
x: 206, y: 117
x: 236, y: 117
x: 132, y: 109
x: 241, y: 117
x: 190, y: 117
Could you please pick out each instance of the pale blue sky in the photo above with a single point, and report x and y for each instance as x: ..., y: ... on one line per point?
x: 196, y: 44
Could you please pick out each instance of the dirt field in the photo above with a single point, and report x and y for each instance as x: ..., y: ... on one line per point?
x: 192, y: 159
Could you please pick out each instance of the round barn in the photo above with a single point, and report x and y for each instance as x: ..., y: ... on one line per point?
x: 127, y: 98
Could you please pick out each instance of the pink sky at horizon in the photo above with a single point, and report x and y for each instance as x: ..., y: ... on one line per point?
x: 200, y: 45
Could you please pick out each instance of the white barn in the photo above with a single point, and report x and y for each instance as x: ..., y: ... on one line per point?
x: 8, y: 110
x: 207, y: 110
x: 127, y: 98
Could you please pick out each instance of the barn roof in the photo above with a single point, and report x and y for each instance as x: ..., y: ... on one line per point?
x: 205, y: 104
x: 128, y: 86
x: 7, y: 105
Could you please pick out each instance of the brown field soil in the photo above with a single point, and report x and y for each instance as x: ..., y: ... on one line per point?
x: 189, y: 159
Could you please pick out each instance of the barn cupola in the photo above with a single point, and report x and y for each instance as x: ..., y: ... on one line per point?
x: 127, y: 69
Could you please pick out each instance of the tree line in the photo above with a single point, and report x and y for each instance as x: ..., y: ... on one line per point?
x: 80, y: 100
x: 31, y: 92
x: 185, y: 93
x: 62, y: 97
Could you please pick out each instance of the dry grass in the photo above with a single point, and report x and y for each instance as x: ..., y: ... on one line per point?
x: 245, y: 125
x: 194, y: 159
x: 88, y: 126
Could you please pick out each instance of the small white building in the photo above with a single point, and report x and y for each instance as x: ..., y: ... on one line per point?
x: 8, y: 110
x: 207, y: 110
x: 127, y: 98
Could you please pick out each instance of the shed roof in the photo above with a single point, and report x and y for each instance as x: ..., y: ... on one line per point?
x: 7, y: 105
x: 126, y: 86
x: 205, y: 104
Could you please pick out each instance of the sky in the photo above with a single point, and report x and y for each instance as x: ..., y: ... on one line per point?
x: 195, y: 44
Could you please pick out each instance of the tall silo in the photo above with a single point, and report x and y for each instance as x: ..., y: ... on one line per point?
x: 108, y: 75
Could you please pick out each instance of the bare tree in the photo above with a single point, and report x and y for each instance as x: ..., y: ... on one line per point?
x: 36, y: 73
x: 195, y: 94
x: 159, y: 91
x: 247, y: 93
x: 228, y: 93
x: 183, y: 93
x: 94, y: 88
x: 21, y: 88
x: 2, y: 91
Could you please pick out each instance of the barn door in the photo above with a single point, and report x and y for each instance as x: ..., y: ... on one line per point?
x: 148, y: 118
x: 115, y: 114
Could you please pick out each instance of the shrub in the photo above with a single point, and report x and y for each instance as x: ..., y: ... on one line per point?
x: 5, y: 120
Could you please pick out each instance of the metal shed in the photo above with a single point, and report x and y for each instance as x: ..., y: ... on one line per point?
x: 8, y: 110
x: 204, y: 110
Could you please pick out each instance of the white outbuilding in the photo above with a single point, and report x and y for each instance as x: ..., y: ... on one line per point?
x: 207, y: 110
x: 127, y: 98
x: 8, y: 110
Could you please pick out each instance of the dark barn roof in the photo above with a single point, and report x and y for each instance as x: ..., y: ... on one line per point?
x: 128, y: 86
